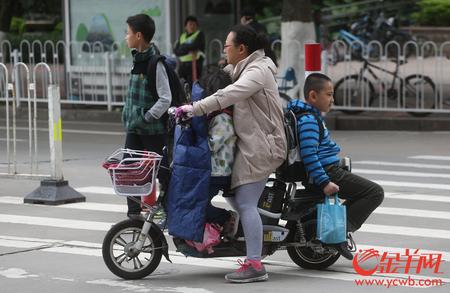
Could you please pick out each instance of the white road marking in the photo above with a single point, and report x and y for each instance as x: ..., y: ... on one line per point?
x: 92, y: 206
x: 427, y: 157
x: 132, y: 286
x: 408, y: 165
x: 16, y: 273
x: 96, y: 189
x: 227, y: 263
x: 420, y: 197
x: 104, y: 226
x: 121, y: 208
x: 413, y: 184
x: 400, y: 173
x: 55, y: 222
x: 413, y: 213
x: 405, y: 231
x: 220, y: 199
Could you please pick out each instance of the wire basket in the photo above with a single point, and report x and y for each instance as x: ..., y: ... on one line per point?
x: 132, y: 172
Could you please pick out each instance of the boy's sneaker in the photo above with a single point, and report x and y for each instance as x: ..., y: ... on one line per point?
x: 343, y: 249
x: 250, y: 271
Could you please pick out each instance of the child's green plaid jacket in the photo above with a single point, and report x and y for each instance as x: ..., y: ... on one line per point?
x: 139, y: 99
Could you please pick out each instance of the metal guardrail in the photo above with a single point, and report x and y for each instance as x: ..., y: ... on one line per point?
x: 93, y: 74
x: 30, y: 167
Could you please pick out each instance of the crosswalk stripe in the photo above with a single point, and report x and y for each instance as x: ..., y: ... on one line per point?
x: 104, y: 226
x: 427, y: 157
x: 408, y: 165
x: 220, y: 199
x: 405, y: 231
x: 93, y: 206
x: 420, y: 197
x: 400, y: 173
x: 55, y: 222
x: 226, y: 263
x: 96, y: 190
x: 413, y: 213
x: 123, y: 209
x: 413, y: 184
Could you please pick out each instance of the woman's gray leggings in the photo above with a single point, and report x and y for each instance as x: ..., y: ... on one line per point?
x: 245, y: 202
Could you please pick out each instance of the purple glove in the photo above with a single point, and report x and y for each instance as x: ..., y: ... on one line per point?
x: 184, y: 112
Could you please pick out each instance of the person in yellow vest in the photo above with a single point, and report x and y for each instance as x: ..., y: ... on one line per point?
x: 190, y: 45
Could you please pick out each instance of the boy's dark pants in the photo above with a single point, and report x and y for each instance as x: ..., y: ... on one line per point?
x: 361, y: 195
x: 151, y: 143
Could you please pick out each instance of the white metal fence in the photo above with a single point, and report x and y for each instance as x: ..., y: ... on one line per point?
x: 372, y: 77
x: 23, y: 158
x: 98, y: 75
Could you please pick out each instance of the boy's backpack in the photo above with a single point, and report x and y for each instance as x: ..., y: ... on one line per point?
x: 293, y: 170
x: 179, y: 96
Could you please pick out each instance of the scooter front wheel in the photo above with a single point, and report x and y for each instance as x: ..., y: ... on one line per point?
x: 120, y: 255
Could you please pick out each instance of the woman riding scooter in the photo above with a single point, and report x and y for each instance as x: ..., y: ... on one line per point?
x: 261, y: 141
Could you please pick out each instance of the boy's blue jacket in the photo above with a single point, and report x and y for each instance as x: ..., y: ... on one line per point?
x: 189, y: 183
x: 315, y: 154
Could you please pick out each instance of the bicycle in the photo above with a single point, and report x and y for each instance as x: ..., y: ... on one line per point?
x: 415, y: 91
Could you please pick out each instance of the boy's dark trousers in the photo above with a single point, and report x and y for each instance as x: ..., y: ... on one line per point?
x: 151, y: 143
x: 361, y: 195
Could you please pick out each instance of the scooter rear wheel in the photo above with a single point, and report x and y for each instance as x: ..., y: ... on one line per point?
x: 306, y: 257
x: 119, y: 256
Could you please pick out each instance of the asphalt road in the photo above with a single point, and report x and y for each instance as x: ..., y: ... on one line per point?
x: 57, y: 249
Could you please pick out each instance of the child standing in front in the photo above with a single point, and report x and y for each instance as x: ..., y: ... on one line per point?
x: 142, y: 111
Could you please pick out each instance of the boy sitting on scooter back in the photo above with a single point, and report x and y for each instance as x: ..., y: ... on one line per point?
x: 319, y: 154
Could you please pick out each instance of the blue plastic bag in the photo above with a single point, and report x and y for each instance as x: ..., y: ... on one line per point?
x: 331, y: 221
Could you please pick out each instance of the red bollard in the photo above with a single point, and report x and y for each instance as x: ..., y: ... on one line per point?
x: 312, y: 58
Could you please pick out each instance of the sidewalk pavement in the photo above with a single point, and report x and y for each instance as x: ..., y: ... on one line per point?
x: 336, y: 120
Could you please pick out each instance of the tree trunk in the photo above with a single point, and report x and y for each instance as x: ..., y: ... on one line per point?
x: 297, y: 27
x: 5, y: 17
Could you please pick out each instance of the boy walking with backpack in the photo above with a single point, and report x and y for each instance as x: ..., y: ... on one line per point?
x: 319, y: 154
x: 143, y: 110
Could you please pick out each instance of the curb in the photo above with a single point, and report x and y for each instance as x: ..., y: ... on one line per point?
x: 336, y: 120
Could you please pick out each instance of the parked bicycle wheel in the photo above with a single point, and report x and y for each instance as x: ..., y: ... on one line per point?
x: 353, y: 91
x: 419, y: 93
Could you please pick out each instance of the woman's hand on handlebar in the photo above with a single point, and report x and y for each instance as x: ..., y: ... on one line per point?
x: 181, y: 114
x: 184, y: 112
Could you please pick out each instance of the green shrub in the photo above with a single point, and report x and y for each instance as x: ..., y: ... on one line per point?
x: 433, y: 13
x: 17, y: 25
